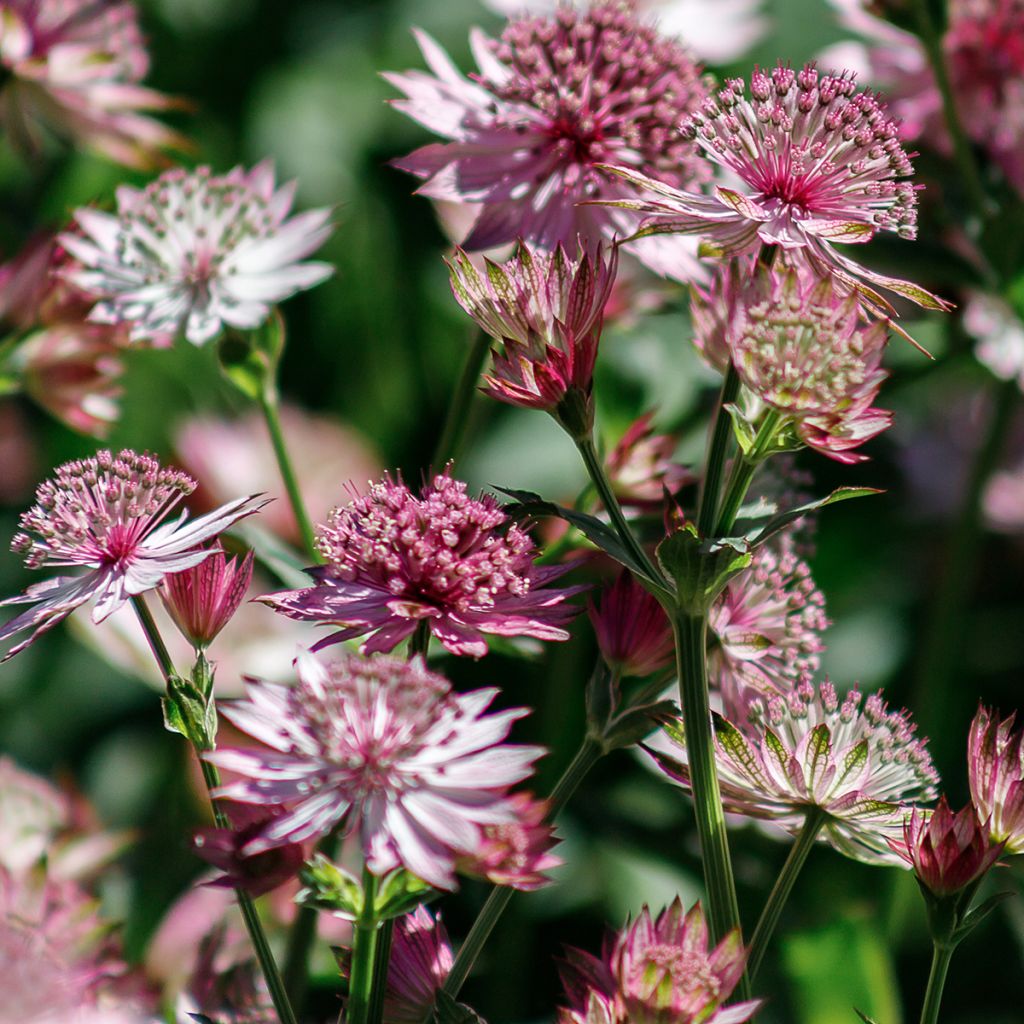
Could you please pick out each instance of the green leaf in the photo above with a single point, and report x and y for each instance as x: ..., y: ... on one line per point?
x: 742, y: 429
x: 248, y: 359
x: 400, y: 892
x: 190, y: 712
x: 700, y: 569
x: 973, y: 918
x: 326, y: 886
x: 864, y: 1017
x: 774, y: 524
x: 637, y: 723
x: 448, y: 1011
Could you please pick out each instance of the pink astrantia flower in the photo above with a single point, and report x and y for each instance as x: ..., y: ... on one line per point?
x: 385, y: 746
x: 106, y: 514
x: 517, y: 853
x: 546, y: 311
x: 714, y: 310
x: 642, y: 467
x: 658, y: 972
x: 421, y: 959
x: 765, y: 629
x: 852, y: 760
x: 947, y: 851
x: 556, y: 97
x: 194, y: 252
x: 73, y: 67
x: 801, y: 348
x: 819, y: 162
x: 202, y: 600
x: 632, y: 630
x: 395, y: 559
x: 32, y: 812
x: 995, y: 763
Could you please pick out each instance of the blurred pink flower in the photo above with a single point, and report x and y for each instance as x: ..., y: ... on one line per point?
x: 195, y: 252
x: 998, y: 334
x: 658, y: 972
x: 395, y: 559
x: 32, y: 813
x: 421, y: 959
x: 384, y: 746
x: 555, y: 98
x: 642, y: 468
x: 995, y: 764
x: 106, y: 514
x: 633, y: 632
x: 792, y: 197
x: 73, y: 67
x: 202, y: 600
x: 1004, y: 500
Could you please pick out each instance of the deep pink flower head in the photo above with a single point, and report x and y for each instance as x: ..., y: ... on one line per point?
x: 421, y: 959
x: 947, y: 851
x: 658, y: 972
x: 395, y: 559
x: 555, y: 98
x: 73, y: 67
x: 547, y: 312
x: 765, y: 629
x: 818, y: 162
x: 517, y: 853
x: 257, y: 873
x: 385, y: 746
x: 632, y: 630
x: 106, y: 514
x: 995, y: 764
x: 201, y: 600
x: 642, y: 467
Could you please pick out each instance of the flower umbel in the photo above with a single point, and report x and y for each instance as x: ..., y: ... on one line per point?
x: 106, y: 514
x: 658, y: 972
x: 201, y: 600
x: 641, y: 467
x: 194, y: 252
x: 995, y: 763
x: 853, y: 760
x: 395, y: 559
x: 557, y: 97
x: 384, y: 746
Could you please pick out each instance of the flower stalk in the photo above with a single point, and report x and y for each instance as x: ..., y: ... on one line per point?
x: 366, y: 934
x: 743, y: 470
x: 714, y: 466
x: 449, y: 444
x: 942, y: 954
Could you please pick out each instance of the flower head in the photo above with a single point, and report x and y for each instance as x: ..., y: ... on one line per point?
x: 819, y: 162
x: 557, y: 97
x: 632, y: 629
x: 995, y: 763
x: 385, y: 746
x: 395, y: 559
x: 32, y: 812
x: 766, y: 629
x: 641, y: 467
x: 421, y: 959
x: 947, y: 851
x: 852, y: 760
x: 106, y: 514
x: 201, y: 600
x: 658, y: 972
x: 194, y: 252
x: 73, y: 67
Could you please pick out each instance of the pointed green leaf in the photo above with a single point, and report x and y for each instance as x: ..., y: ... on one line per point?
x: 700, y: 569
x: 448, y: 1011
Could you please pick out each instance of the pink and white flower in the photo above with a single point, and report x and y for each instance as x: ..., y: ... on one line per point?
x: 995, y: 764
x: 632, y: 630
x: 457, y: 563
x: 194, y: 252
x: 557, y: 97
x: 384, y: 746
x: 106, y: 514
x: 421, y: 959
x: 642, y: 468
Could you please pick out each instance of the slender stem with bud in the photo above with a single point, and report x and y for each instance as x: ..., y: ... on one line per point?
x: 718, y: 447
x: 365, y: 937
x: 743, y: 470
x: 941, y: 956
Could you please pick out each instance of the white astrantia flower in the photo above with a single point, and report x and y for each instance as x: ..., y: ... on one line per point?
x: 194, y: 252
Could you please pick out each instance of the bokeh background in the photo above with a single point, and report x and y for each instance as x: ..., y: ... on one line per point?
x: 378, y: 349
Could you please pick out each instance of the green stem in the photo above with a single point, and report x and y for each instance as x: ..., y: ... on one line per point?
x: 586, y: 757
x: 211, y: 777
x: 691, y: 665
x: 941, y: 956
x: 269, y: 405
x: 783, y: 887
x: 449, y: 444
x: 381, y: 963
x: 743, y: 469
x: 962, y: 151
x: 718, y: 446
x: 611, y: 504
x: 365, y: 935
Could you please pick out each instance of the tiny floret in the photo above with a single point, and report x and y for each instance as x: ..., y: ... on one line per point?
x: 202, y: 600
x: 382, y: 746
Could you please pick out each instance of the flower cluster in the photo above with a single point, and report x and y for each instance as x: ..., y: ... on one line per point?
x: 194, y: 252
x: 995, y: 760
x: 556, y: 98
x: 642, y: 469
x: 632, y: 630
x: 384, y: 747
x: 456, y: 563
x: 421, y: 959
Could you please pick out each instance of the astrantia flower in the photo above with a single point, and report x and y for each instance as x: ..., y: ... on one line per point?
x: 658, y: 972
x: 765, y: 629
x: 73, y: 67
x: 547, y: 313
x: 800, y: 347
x: 32, y: 812
x: 421, y: 959
x: 947, y: 851
x: 852, y: 760
x: 641, y: 467
x: 385, y: 746
x: 201, y: 600
x: 632, y: 630
x: 556, y: 97
x: 106, y: 514
x: 455, y: 562
x: 819, y: 163
x: 194, y: 252
x: 995, y: 763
